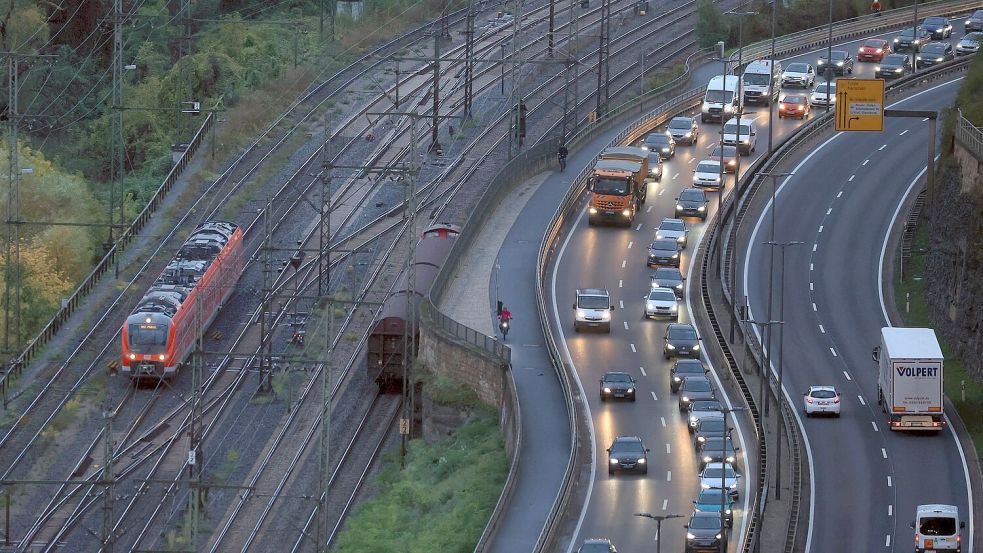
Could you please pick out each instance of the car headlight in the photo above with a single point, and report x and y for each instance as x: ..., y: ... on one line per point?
x: 675, y: 256
x: 670, y: 346
x: 730, y: 458
x: 676, y: 379
x: 968, y: 22
x: 690, y: 536
x: 877, y: 68
x: 704, y: 485
x: 685, y: 399
x: 689, y: 134
x: 641, y: 461
x: 631, y: 390
x: 706, y: 107
x: 895, y: 41
x: 702, y: 208
x: 679, y: 286
x: 592, y: 211
x: 718, y: 536
x: 674, y: 308
x: 644, y: 147
x: 701, y: 439
x: 745, y: 141
x: 607, y: 390
x: 696, y: 347
x: 666, y: 149
x: 681, y: 239
x: 692, y: 421
x: 839, y: 64
x: 880, y: 50
x: 626, y: 213
x: 707, y: 458
x: 613, y: 461
x: 606, y: 316
x: 938, y: 60
x: 898, y: 70
x: 679, y: 206
x: 733, y: 486
x: 823, y: 62
x: 727, y: 511
x: 581, y: 313
x: 729, y: 108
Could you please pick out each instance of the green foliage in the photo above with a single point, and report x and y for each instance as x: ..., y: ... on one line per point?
x: 23, y: 26
x: 448, y: 392
x: 970, y: 99
x: 711, y: 26
x: 441, y: 500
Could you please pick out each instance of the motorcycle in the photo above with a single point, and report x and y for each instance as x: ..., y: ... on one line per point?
x: 503, y: 327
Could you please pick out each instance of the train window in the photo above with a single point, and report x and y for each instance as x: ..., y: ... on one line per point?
x: 143, y: 335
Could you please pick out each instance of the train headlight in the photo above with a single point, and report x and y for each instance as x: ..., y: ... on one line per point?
x: 133, y: 356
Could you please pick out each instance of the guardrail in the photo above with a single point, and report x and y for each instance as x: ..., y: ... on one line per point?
x: 969, y: 135
x: 464, y: 332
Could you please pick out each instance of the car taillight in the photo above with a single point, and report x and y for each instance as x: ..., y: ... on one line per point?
x: 936, y: 424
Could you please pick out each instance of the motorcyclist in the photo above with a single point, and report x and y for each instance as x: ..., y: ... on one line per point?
x: 875, y: 7
x: 503, y: 320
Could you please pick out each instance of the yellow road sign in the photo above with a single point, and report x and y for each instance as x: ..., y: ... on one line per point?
x: 860, y: 105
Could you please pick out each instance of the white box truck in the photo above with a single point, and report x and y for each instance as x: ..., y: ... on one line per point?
x: 909, y: 383
x: 757, y: 80
x: 721, y: 100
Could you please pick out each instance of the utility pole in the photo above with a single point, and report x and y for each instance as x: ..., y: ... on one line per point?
x: 468, y: 62
x: 266, y: 306
x: 518, y: 121
x: 409, y: 336
x: 116, y: 129
x: 603, y: 67
x: 195, y: 430
x: 107, y: 536
x: 435, y: 128
x: 12, y: 254
x: 188, y: 30
x: 323, y: 462
x: 549, y: 35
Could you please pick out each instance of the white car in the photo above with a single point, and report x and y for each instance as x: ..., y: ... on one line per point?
x: 707, y: 174
x: 710, y: 477
x: 820, y: 97
x: 799, y: 74
x: 661, y: 303
x: 969, y: 44
x: 821, y: 400
x: 672, y: 228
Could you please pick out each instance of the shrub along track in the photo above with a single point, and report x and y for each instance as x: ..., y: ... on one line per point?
x: 145, y: 438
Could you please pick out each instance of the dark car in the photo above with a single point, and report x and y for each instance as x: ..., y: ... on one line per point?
x: 664, y: 251
x: 709, y: 428
x: 684, y: 130
x: 939, y: 27
x: 712, y: 449
x: 729, y: 156
x: 934, y: 53
x: 660, y: 142
x: 911, y: 39
x: 594, y: 545
x: 873, y: 49
x: 842, y: 63
x: 683, y: 368
x: 655, y: 166
x: 975, y: 22
x: 617, y: 385
x: 699, y: 410
x: 692, y: 202
x: 669, y: 277
x: 681, y: 340
x: 711, y: 500
x: 628, y: 454
x: 703, y: 532
x: 695, y: 388
x: 893, y: 66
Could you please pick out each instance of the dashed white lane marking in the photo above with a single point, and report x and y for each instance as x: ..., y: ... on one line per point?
x: 621, y: 305
x: 642, y: 369
x: 812, y: 286
x: 887, y: 540
x: 633, y: 350
x: 711, y: 146
x: 639, y: 227
x: 828, y: 211
x: 649, y: 208
x: 660, y: 193
x: 821, y: 329
x: 838, y: 195
x: 884, y: 452
x: 904, y: 132
x: 663, y: 421
x: 676, y: 176
x: 810, y: 266
x: 665, y: 504
x: 851, y: 178
x: 667, y: 449
x: 626, y: 324
x: 653, y: 397
x: 889, y: 484
x: 668, y: 476
x: 621, y: 284
x: 624, y: 263
x: 814, y: 308
x: 691, y: 160
x: 846, y: 374
x: 866, y: 161
x: 831, y: 350
x: 874, y: 424
x: 814, y: 247
x: 926, y: 119
x: 882, y: 147
x: 820, y: 230
x: 862, y: 401
x: 630, y: 244
x: 890, y: 510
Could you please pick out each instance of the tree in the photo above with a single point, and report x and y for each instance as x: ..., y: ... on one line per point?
x: 711, y: 26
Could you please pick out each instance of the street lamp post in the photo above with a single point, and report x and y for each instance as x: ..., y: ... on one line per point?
x: 829, y: 57
x: 766, y: 367
x: 771, y: 263
x: 724, y: 492
x: 658, y: 528
x: 781, y: 355
x: 771, y: 82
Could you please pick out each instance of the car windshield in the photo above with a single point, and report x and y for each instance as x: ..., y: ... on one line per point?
x: 839, y: 55
x: 657, y: 139
x: 654, y: 158
x: 669, y: 224
x: 681, y: 123
x: 821, y: 89
x: 706, y: 406
x: 937, y: 526
x: 797, y: 68
x: 626, y: 446
x: 662, y: 295
x: 731, y: 128
x: 712, y: 425
x: 908, y: 33
x: 667, y: 273
x: 718, y: 96
x: 934, y: 49
x: 705, y: 523
x: 794, y: 100
x: 697, y: 385
x: 711, y: 497
x: 934, y: 21
x: 716, y: 444
x: 664, y: 244
x: 978, y: 14
x: 729, y: 151
x: 692, y: 195
x: 617, y: 377
x: 894, y: 59
x: 973, y: 37
x: 593, y: 302
x: 716, y: 472
x: 757, y: 78
x: 708, y: 167
x: 823, y: 394
x: 682, y: 333
x: 594, y: 548
x: 147, y: 337
x: 873, y: 44
x: 611, y: 185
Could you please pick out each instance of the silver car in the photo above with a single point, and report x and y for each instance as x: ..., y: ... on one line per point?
x: 674, y: 229
x: 820, y: 97
x: 969, y: 44
x: 707, y: 174
x: 801, y: 75
x: 661, y: 303
x: 716, y: 473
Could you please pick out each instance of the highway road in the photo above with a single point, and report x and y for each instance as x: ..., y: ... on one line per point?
x: 614, y: 258
x: 834, y: 310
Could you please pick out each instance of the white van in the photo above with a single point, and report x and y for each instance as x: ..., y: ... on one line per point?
x: 721, y: 99
x: 937, y: 528
x: 758, y: 76
x: 741, y: 133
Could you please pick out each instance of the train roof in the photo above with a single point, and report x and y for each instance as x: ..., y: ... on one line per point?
x: 187, y: 267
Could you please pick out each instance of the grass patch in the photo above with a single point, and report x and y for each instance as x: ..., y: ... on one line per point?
x: 910, y: 298
x: 450, y: 487
x: 662, y: 77
x: 445, y: 391
x: 64, y: 419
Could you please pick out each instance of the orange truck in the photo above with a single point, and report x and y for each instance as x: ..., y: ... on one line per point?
x: 618, y: 185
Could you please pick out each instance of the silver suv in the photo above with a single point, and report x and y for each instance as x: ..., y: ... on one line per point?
x: 592, y: 309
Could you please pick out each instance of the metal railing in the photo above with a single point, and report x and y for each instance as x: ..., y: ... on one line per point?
x: 70, y: 305
x: 464, y: 333
x: 969, y: 136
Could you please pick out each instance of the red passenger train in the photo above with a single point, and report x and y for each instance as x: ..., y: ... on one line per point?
x: 161, y: 332
x: 384, y: 350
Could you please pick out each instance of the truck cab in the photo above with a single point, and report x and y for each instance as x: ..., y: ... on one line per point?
x: 618, y: 185
x: 937, y: 528
x: 721, y: 100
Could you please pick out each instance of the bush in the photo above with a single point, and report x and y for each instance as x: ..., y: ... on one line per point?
x: 711, y: 27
